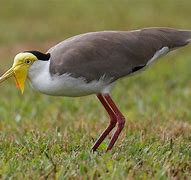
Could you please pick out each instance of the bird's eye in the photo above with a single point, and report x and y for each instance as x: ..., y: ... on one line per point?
x: 28, y: 61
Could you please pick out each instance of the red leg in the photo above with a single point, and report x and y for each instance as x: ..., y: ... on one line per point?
x: 120, y: 121
x: 112, y: 123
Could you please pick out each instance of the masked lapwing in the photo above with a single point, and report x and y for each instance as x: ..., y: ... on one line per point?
x: 91, y: 63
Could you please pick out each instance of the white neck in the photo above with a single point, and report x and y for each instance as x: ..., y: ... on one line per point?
x: 38, y: 71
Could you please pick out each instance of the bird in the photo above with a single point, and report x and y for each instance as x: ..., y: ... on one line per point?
x: 91, y: 63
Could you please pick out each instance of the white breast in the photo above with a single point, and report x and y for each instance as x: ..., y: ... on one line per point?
x: 63, y: 85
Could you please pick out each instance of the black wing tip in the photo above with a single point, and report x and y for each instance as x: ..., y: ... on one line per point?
x: 40, y: 56
x: 137, y: 68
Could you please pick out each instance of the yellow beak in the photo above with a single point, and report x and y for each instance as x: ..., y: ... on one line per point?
x: 8, y: 74
x: 19, y: 71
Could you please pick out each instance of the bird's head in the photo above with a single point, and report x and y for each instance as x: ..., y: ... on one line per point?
x: 20, y: 67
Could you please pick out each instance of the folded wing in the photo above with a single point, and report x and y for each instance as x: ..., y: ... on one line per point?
x: 113, y: 54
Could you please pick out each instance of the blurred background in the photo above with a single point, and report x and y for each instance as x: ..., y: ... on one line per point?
x: 156, y: 102
x: 40, y: 24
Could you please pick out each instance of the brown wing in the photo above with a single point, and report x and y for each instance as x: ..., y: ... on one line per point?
x: 112, y: 54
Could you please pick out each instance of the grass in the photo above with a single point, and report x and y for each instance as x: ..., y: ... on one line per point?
x: 45, y: 137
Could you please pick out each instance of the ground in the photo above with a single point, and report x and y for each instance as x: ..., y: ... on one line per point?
x: 44, y: 137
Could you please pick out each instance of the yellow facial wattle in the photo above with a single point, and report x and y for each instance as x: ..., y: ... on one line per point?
x: 20, y: 68
x: 20, y: 74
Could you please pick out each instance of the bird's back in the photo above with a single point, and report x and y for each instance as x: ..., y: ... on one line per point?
x: 113, y: 54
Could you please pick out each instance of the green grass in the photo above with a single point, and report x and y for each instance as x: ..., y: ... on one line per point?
x: 50, y: 137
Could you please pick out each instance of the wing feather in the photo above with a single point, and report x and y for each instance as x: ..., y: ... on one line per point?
x: 113, y: 54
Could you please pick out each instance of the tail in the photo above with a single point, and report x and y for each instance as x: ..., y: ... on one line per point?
x: 169, y: 37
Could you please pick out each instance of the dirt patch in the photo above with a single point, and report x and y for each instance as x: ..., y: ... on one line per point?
x: 175, y: 129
